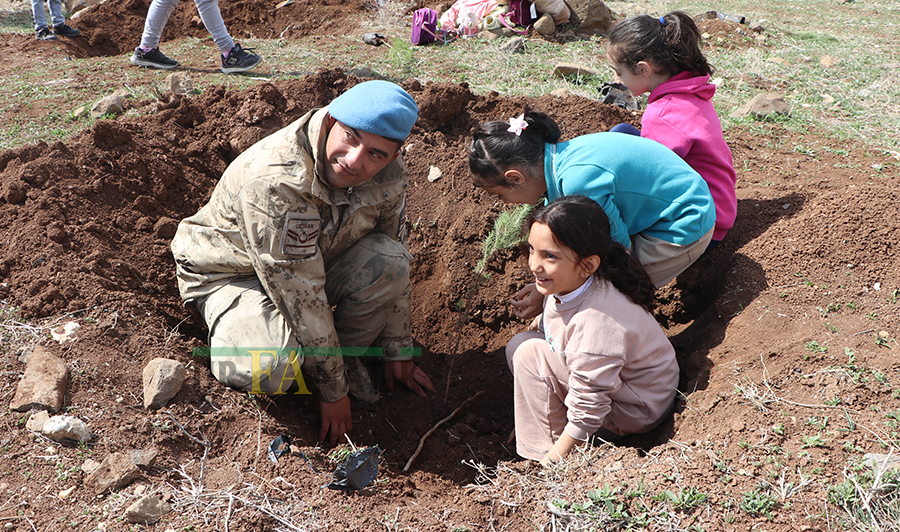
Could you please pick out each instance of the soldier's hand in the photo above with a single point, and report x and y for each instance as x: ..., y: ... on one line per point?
x: 336, y: 419
x: 409, y: 374
x: 528, y: 302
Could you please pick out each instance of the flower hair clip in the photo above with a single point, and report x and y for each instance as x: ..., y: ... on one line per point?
x: 517, y: 125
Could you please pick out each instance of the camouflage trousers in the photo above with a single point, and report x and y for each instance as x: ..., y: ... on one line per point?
x: 253, y: 347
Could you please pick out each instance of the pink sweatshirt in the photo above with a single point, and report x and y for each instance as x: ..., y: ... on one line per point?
x: 681, y: 116
x: 623, y: 368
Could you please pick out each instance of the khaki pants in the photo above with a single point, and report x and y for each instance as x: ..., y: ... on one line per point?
x: 663, y: 260
x: 368, y: 287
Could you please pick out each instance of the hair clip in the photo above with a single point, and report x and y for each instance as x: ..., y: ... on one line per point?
x: 517, y: 125
x: 662, y: 20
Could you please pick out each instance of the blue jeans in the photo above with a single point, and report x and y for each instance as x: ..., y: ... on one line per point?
x: 40, y: 20
x: 159, y: 13
x: 626, y: 128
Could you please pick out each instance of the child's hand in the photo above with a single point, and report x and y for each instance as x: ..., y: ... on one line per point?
x: 528, y: 302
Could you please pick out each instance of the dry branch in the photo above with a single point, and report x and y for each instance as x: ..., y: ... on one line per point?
x: 434, y: 428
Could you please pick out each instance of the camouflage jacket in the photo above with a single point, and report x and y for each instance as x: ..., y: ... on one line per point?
x: 273, y: 216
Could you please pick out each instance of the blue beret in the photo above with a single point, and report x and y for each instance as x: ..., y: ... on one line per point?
x: 378, y: 107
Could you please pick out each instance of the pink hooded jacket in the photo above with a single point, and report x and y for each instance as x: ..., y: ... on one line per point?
x: 681, y: 116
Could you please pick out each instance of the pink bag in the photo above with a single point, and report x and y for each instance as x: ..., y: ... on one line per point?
x: 424, y: 26
x: 521, y: 13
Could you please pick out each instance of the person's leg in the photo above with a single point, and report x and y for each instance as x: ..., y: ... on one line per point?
x: 369, y: 288
x: 214, y: 24
x: 252, y: 347
x: 625, y: 128
x: 157, y: 16
x: 663, y: 260
x: 540, y: 386
x: 56, y: 16
x: 37, y: 12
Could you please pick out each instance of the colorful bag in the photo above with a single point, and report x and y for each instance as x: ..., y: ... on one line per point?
x: 424, y: 26
x: 521, y: 13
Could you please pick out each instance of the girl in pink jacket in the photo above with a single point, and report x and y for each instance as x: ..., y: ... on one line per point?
x: 662, y: 56
x: 598, y: 365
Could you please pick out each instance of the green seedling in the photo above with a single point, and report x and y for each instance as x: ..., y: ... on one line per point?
x: 812, y: 441
x: 815, y: 347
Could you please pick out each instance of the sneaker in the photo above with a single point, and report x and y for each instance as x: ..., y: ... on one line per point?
x: 66, y: 31
x: 44, y: 34
x: 153, y: 59
x: 239, y: 60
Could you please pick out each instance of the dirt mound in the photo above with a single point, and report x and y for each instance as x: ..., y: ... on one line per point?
x: 88, y: 222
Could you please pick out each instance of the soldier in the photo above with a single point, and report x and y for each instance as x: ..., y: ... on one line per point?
x: 299, y: 260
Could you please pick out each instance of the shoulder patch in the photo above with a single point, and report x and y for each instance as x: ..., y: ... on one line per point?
x: 301, y: 235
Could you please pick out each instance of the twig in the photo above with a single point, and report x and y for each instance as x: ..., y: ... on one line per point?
x: 206, y: 445
x: 228, y: 513
x: 434, y: 428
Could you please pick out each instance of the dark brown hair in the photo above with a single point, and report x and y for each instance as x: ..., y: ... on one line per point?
x: 671, y: 43
x: 581, y: 224
x: 494, y: 149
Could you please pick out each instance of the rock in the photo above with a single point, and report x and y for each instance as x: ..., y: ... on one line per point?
x: 165, y: 227
x: 80, y: 111
x: 561, y: 92
x: 764, y: 105
x: 162, y: 380
x: 178, y: 83
x: 43, y: 384
x: 37, y: 420
x: 516, y: 45
x: 147, y: 509
x: 89, y: 466
x: 66, y: 493
x: 110, y: 105
x: 434, y: 173
x: 563, y: 70
x: 66, y: 333
x: 143, y: 458
x: 545, y: 25
x: 114, y: 473
x: 66, y: 428
x: 878, y: 461
x: 74, y: 6
x: 591, y: 16
x: 284, y: 4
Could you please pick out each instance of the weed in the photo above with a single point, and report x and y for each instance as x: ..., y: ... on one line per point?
x: 815, y: 347
x: 759, y: 502
x: 685, y: 500
x: 851, y: 305
x: 812, y: 441
x: 778, y: 429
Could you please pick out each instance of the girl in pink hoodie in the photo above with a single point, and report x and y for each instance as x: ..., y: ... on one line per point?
x: 662, y: 56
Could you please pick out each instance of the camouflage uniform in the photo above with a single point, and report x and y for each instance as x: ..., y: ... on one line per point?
x: 278, y: 258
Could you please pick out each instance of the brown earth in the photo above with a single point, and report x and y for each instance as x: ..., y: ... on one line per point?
x: 779, y: 320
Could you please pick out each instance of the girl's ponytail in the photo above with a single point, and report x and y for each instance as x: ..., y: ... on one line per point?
x: 499, y: 145
x: 625, y: 272
x: 671, y: 43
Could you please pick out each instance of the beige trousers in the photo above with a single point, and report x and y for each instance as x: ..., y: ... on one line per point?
x: 253, y: 347
x: 663, y: 260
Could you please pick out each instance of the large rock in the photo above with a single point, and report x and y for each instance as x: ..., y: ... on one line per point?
x: 764, y: 105
x: 43, y: 385
x: 591, y: 16
x: 162, y: 380
x: 115, y: 472
x: 74, y: 6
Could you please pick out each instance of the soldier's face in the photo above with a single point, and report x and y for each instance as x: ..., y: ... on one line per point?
x: 354, y: 156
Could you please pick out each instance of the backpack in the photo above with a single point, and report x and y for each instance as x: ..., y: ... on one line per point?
x: 424, y: 26
x: 521, y: 13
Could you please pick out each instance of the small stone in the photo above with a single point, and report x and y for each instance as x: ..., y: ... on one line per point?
x: 434, y: 173
x: 516, y: 45
x: 564, y: 70
x: 284, y: 4
x: 139, y: 490
x: 110, y: 105
x: 115, y: 472
x: 89, y: 466
x: 37, y: 420
x: 561, y: 92
x: 66, y: 493
x: 66, y: 333
x: 545, y: 25
x: 178, y: 83
x: 764, y: 105
x: 66, y: 428
x: 163, y: 379
x: 876, y: 287
x: 147, y: 509
x: 143, y: 458
x: 51, y: 450
x: 43, y: 384
x: 884, y: 335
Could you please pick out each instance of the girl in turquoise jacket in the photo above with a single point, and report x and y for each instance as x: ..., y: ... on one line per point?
x: 658, y: 206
